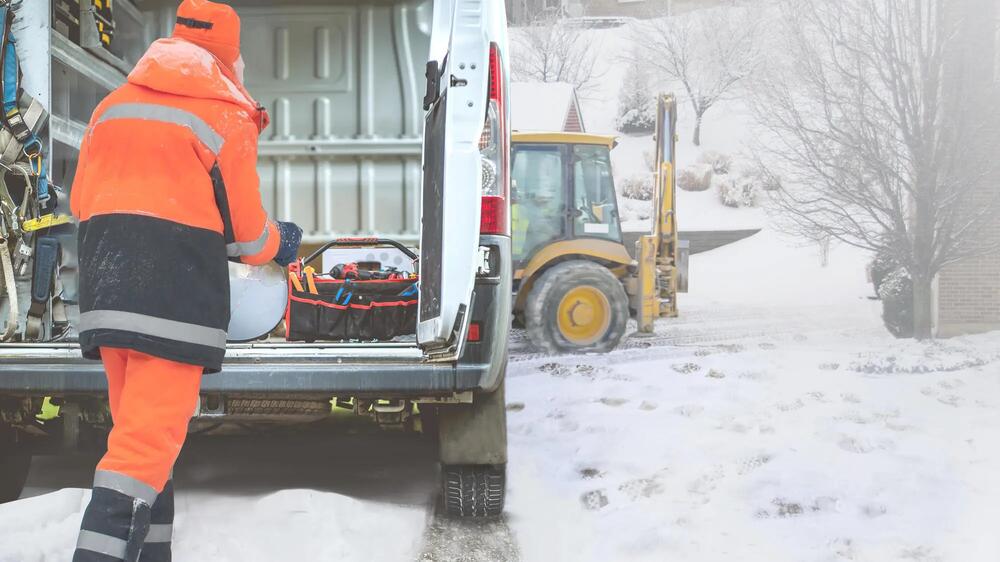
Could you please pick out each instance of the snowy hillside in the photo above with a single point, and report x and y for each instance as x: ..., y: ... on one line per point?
x: 727, y: 129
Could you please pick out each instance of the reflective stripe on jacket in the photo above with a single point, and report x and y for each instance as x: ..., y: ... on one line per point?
x: 166, y: 191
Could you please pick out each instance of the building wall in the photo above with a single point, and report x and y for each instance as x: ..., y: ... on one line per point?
x: 574, y: 119
x: 969, y: 292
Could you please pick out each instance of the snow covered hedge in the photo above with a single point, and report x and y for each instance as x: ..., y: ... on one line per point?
x: 696, y: 177
x: 720, y: 163
x: 638, y: 187
x: 738, y: 190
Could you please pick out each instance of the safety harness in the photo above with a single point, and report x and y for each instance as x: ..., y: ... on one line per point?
x: 22, y: 225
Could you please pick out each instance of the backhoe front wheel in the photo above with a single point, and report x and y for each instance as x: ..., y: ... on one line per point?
x: 576, y: 307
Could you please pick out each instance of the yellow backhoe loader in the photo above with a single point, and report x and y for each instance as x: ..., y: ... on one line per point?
x: 576, y: 284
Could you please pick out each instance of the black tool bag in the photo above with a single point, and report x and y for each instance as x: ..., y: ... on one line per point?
x: 323, y: 308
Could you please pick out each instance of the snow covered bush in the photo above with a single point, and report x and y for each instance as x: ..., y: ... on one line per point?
x: 880, y: 268
x: 638, y: 187
x: 729, y: 192
x: 737, y: 190
x: 636, y: 111
x: 697, y: 177
x: 896, y: 292
x: 720, y: 163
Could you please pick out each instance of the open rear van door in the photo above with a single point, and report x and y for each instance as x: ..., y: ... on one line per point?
x: 456, y: 105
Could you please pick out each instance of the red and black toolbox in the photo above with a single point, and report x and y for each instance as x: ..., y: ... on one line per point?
x: 353, y: 301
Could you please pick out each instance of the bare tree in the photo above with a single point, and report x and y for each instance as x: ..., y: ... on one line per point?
x: 709, y: 52
x: 550, y: 50
x: 872, y: 136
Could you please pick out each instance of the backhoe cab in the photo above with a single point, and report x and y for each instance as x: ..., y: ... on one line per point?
x: 576, y: 283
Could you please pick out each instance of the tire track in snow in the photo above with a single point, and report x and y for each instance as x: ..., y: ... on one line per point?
x: 458, y: 540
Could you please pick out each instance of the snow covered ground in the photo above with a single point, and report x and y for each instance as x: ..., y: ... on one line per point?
x: 774, y: 420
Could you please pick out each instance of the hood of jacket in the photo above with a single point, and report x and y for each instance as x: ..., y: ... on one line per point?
x: 177, y: 66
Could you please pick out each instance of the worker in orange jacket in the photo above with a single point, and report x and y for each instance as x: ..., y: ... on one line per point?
x: 166, y: 191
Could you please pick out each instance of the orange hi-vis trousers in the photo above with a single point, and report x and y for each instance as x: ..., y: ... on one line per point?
x: 152, y: 401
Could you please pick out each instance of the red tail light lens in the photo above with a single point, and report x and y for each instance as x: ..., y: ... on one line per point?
x: 494, y: 148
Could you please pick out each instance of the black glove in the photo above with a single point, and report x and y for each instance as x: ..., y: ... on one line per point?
x: 48, y: 206
x: 291, y: 237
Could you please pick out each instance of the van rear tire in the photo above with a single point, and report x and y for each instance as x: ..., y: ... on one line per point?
x: 473, y: 491
x: 472, y: 441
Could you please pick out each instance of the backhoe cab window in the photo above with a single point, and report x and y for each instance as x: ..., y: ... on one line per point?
x: 538, y: 206
x: 594, y: 193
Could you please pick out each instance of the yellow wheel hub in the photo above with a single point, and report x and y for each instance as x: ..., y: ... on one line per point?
x: 584, y: 315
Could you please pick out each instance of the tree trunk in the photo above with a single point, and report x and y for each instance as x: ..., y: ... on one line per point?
x: 697, y: 131
x: 923, y: 307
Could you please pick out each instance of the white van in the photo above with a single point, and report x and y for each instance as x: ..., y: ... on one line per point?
x: 389, y: 120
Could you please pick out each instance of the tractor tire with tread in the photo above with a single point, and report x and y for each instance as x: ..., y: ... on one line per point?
x: 542, y: 310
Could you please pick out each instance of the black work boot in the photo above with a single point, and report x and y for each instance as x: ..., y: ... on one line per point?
x: 161, y: 524
x: 116, y: 520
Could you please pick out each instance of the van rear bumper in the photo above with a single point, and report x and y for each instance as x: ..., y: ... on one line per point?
x: 384, y: 380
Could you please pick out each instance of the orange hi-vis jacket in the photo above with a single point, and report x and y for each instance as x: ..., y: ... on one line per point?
x: 166, y: 190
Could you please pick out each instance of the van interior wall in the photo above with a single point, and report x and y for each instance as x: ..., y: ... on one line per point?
x: 343, y: 83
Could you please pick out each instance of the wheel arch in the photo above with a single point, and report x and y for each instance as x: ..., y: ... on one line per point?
x: 606, y: 253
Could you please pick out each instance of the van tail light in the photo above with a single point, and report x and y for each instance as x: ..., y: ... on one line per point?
x: 494, y: 149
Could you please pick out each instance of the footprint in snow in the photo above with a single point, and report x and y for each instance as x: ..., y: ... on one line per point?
x: 706, y: 483
x: 767, y: 346
x: 864, y: 446
x: 594, y: 500
x: 920, y: 554
x: 613, y: 402
x: 686, y: 368
x: 752, y: 375
x: 929, y: 391
x: 873, y: 510
x: 746, y: 466
x: 556, y: 370
x: 790, y: 406
x: 588, y: 473
x: 951, y: 400
x: 714, y: 374
x: 647, y: 406
x: 784, y: 508
x: 829, y: 366
x: 640, y: 488
x: 819, y: 397
x: 850, y: 398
